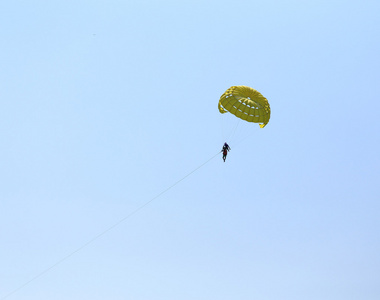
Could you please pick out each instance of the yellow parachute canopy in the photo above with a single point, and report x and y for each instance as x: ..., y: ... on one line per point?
x: 245, y: 103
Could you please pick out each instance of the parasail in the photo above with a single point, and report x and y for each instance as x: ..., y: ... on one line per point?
x: 245, y: 103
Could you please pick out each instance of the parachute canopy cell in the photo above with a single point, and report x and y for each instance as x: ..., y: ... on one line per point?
x: 245, y: 103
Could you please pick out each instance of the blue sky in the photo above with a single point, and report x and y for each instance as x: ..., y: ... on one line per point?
x: 106, y: 104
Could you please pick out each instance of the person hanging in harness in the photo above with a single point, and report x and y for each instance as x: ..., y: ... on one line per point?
x: 225, y: 150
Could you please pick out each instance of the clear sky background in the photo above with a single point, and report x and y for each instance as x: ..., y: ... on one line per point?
x: 106, y: 104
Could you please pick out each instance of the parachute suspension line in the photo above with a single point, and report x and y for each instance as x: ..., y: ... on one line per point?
x: 236, y: 127
x: 245, y: 137
x: 222, y: 128
x: 233, y: 132
x: 107, y: 230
